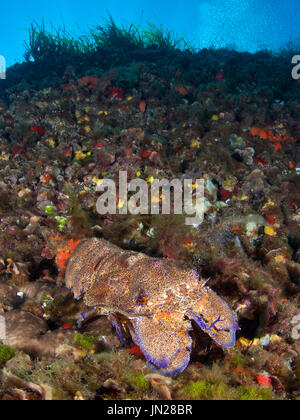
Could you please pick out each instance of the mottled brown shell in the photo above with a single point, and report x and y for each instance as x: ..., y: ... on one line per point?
x: 159, y: 296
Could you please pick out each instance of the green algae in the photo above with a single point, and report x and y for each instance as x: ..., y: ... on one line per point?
x: 49, y: 210
x: 203, y: 390
x: 6, y: 353
x: 251, y: 393
x: 238, y: 360
x: 86, y: 342
x: 197, y: 390
x: 139, y: 382
x: 61, y: 221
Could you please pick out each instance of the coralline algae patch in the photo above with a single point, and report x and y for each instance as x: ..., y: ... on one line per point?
x: 56, y: 146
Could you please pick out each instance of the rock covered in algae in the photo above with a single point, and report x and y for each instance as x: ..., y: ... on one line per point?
x: 22, y: 329
x: 154, y: 299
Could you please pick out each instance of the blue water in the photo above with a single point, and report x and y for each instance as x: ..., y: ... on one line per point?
x: 246, y: 25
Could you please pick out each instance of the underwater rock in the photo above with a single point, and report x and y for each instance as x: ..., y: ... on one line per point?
x: 149, y: 298
x: 174, y: 118
x: 255, y: 182
x: 23, y: 330
x: 237, y: 142
x: 246, y: 155
x: 46, y: 299
x: 38, y: 290
x: 30, y: 334
x: 50, y: 344
x: 110, y: 386
x: 98, y: 326
x: 8, y: 295
x: 20, y: 389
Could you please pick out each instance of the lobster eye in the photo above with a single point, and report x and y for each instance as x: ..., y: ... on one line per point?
x: 142, y: 299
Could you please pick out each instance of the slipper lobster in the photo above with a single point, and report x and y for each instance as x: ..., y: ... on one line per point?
x: 154, y: 299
